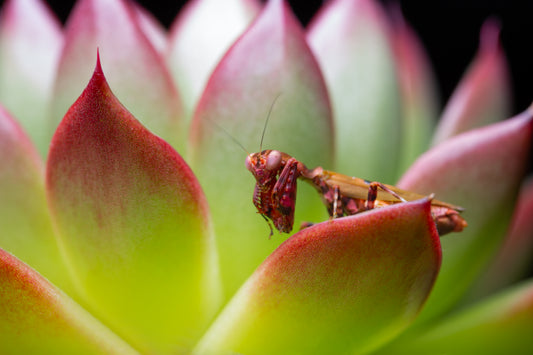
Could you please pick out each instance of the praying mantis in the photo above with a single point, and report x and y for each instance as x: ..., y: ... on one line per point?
x: 277, y: 173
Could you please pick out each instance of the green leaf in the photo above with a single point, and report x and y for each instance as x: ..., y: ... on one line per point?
x: 37, y: 318
x: 499, y: 325
x: 134, y: 222
x: 269, y: 67
x: 137, y: 71
x: 515, y: 255
x: 480, y: 170
x: 351, y: 42
x: 198, y: 39
x: 342, y: 286
x: 25, y: 224
x: 30, y: 44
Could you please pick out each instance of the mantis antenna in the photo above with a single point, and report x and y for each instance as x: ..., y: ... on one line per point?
x: 222, y: 129
x: 266, y: 121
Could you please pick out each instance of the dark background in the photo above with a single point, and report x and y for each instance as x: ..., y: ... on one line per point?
x: 449, y: 29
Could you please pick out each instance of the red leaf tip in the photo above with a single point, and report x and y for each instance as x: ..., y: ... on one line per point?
x: 490, y: 35
x: 98, y: 67
x: 98, y: 77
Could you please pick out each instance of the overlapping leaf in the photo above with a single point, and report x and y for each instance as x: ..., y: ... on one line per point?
x: 25, y: 226
x: 464, y: 170
x: 269, y: 67
x: 199, y: 38
x: 350, y: 40
x: 37, y: 318
x: 136, y: 71
x: 134, y: 223
x: 342, y: 286
x: 30, y: 43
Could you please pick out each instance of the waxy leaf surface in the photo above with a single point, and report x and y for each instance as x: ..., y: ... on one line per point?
x: 516, y: 254
x: 342, y: 286
x: 498, y: 325
x: 37, y: 318
x: 134, y: 223
x: 480, y: 170
x: 25, y: 225
x: 269, y: 68
x: 350, y: 40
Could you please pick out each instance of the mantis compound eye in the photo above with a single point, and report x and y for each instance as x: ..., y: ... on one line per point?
x: 273, y: 160
x: 248, y: 162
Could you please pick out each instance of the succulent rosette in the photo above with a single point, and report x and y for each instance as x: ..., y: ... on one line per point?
x: 126, y: 216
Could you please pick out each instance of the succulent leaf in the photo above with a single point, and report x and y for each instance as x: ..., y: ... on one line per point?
x: 341, y: 286
x: 268, y: 72
x: 30, y: 44
x: 515, y: 255
x: 418, y: 91
x: 137, y: 71
x: 134, y: 222
x: 26, y: 227
x: 37, y: 318
x: 199, y: 38
x: 350, y: 39
x: 482, y: 97
x: 480, y: 170
x: 498, y: 325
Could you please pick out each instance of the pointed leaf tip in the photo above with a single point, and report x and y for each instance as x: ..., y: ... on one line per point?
x: 340, y: 286
x: 135, y: 70
x: 133, y: 221
x: 490, y: 35
x: 98, y: 67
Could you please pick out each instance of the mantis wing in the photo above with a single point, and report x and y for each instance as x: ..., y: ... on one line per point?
x: 358, y: 188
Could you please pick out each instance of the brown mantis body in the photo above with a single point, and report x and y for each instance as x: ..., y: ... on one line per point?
x: 274, y: 197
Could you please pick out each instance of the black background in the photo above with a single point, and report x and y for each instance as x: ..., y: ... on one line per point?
x: 449, y: 29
